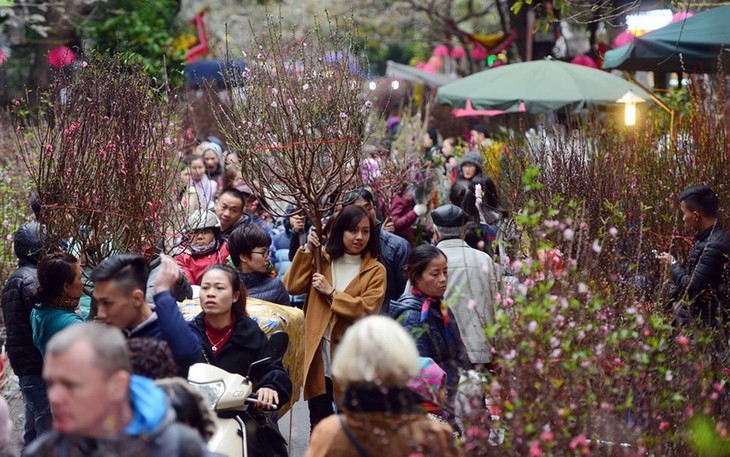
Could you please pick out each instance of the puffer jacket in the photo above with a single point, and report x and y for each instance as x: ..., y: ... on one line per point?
x: 265, y: 287
x: 394, y: 252
x: 704, y: 272
x: 432, y: 339
x: 17, y: 303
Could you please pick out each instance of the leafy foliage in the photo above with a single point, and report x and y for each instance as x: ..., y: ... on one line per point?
x: 142, y: 31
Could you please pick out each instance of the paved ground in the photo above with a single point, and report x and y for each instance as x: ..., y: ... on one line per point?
x: 299, y: 428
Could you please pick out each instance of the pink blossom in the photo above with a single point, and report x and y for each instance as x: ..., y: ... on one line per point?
x: 664, y: 425
x: 343, y: 115
x: 471, y: 304
x: 613, y: 231
x: 535, y: 450
x: 579, y: 440
x: 305, y: 86
x: 682, y: 340
x: 368, y: 104
x: 568, y: 234
x: 547, y: 435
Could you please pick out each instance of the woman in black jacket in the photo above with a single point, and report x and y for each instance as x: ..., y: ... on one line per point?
x: 233, y: 341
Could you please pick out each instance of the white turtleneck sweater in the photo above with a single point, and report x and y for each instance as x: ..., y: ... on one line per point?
x: 344, y: 270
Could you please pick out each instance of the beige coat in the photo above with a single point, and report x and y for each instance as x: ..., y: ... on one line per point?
x: 382, y: 435
x: 362, y: 297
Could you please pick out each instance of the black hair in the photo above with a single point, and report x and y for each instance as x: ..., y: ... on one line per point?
x: 235, y: 193
x: 418, y: 260
x: 348, y: 219
x: 236, y: 284
x: 129, y: 271
x: 360, y: 192
x: 188, y: 406
x: 36, y: 206
x: 462, y: 195
x: 244, y: 239
x: 55, y: 270
x: 702, y: 199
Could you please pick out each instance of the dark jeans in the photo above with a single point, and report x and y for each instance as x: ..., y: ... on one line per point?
x: 38, y: 417
x: 321, y: 406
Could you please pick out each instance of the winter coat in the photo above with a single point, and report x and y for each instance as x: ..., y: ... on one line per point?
x: 245, y: 219
x: 472, y: 276
x: 362, y: 297
x: 403, y: 216
x: 382, y: 432
x: 394, y: 252
x: 265, y: 287
x: 47, y: 321
x: 246, y: 345
x: 153, y: 432
x: 194, y: 265
x: 167, y: 324
x: 704, y: 271
x: 432, y: 340
x: 18, y: 302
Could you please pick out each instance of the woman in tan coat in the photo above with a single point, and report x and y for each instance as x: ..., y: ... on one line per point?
x: 382, y: 416
x: 351, y: 286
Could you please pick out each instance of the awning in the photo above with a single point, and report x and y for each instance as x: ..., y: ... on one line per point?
x: 408, y: 73
x: 695, y: 45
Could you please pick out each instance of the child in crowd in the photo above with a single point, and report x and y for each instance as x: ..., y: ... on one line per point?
x: 205, y: 248
x: 205, y: 188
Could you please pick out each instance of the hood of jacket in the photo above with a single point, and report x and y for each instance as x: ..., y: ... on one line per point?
x: 474, y: 158
x: 149, y: 406
x: 28, y: 242
x: 407, y: 302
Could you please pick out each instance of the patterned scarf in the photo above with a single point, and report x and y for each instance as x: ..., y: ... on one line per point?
x: 429, y: 302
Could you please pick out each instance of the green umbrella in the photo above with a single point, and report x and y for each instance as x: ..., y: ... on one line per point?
x: 542, y: 85
x: 697, y: 44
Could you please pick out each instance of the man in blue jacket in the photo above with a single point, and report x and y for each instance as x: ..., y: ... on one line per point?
x: 119, y: 289
x: 100, y: 408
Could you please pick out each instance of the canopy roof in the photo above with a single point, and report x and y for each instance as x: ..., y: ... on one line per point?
x: 696, y: 45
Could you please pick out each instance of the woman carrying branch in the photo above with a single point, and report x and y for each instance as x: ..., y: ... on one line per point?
x: 350, y: 286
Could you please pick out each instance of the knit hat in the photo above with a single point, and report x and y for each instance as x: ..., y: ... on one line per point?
x: 429, y: 380
x: 474, y: 158
x: 203, y: 219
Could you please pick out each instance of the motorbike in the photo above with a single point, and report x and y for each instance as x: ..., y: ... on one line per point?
x: 229, y: 396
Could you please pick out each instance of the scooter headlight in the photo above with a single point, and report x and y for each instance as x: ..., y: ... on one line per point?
x: 211, y: 391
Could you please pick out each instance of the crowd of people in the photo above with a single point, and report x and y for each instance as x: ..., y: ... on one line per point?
x: 391, y: 321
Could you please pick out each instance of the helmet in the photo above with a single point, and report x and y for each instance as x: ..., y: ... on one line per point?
x: 203, y: 219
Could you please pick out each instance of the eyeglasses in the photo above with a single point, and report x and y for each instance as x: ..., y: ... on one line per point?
x: 265, y: 253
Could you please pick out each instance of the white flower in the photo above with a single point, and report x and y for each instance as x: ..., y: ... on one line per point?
x: 597, y: 247
x: 532, y: 326
x: 568, y: 234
